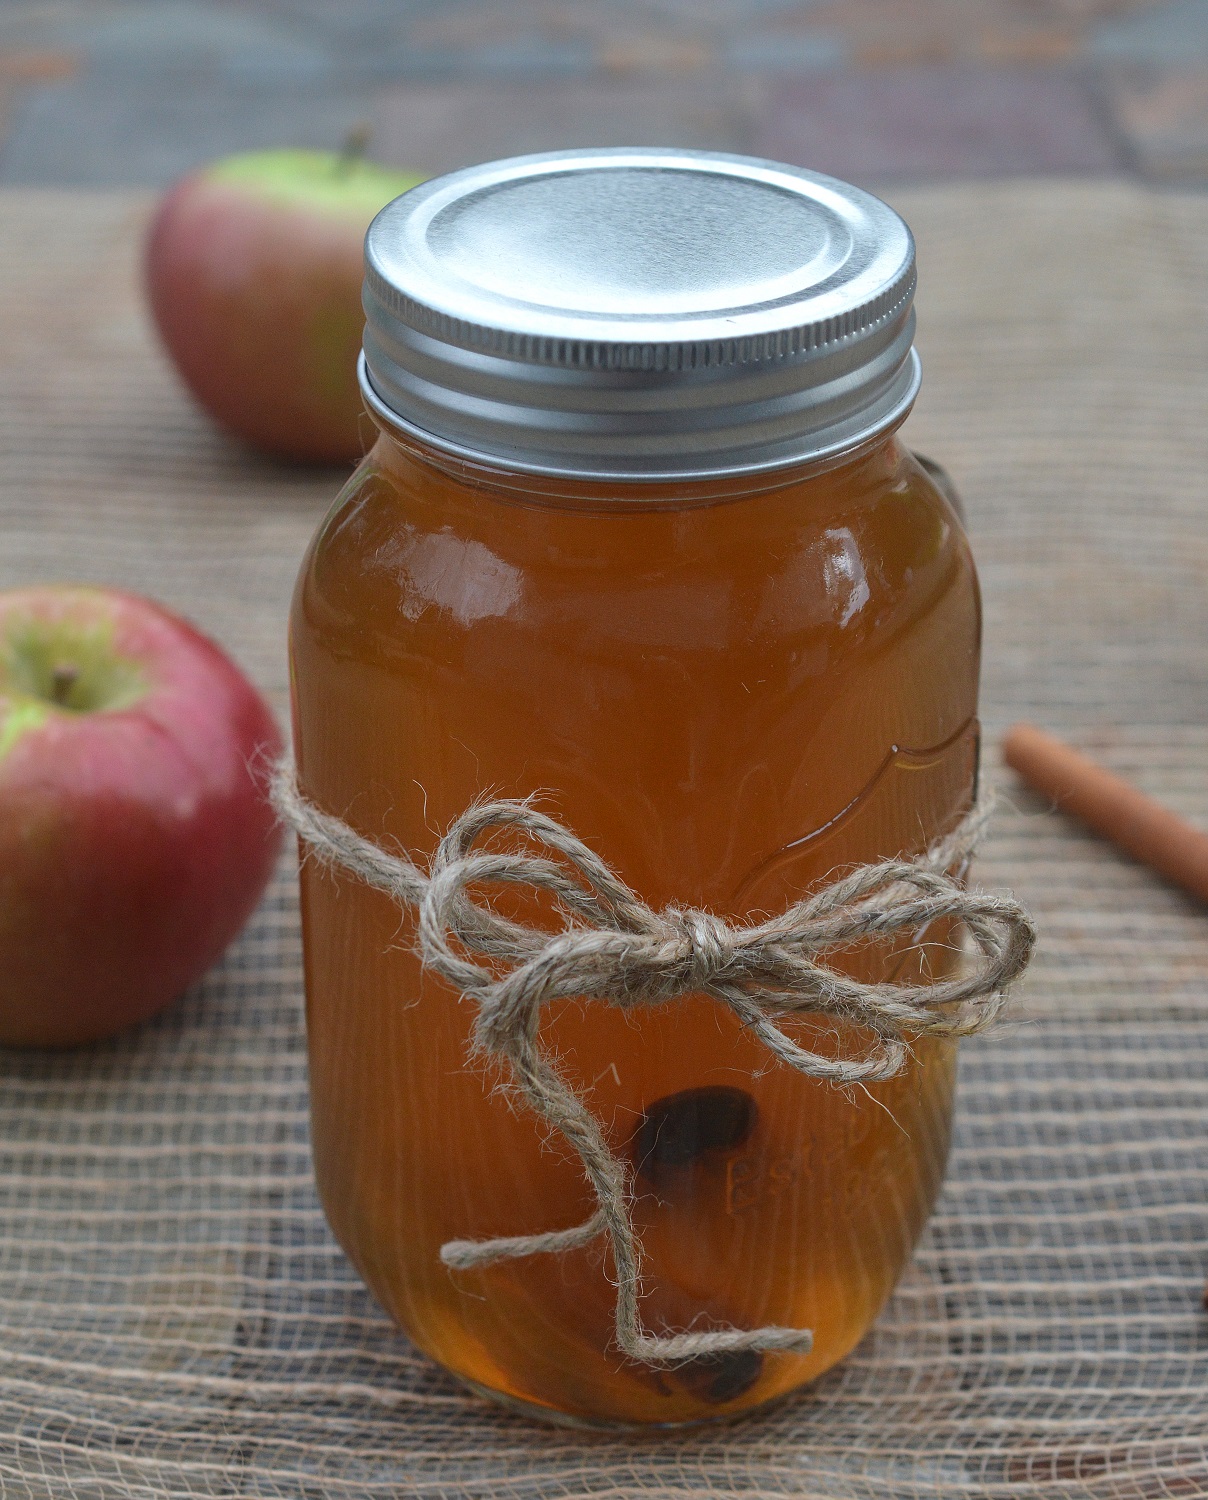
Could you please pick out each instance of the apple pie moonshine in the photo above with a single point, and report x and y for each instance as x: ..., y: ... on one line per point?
x: 637, y: 544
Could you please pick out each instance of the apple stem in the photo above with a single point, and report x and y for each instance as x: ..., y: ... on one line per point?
x: 62, y: 680
x: 352, y: 152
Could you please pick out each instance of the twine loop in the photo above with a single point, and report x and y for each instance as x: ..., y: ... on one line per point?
x: 613, y: 948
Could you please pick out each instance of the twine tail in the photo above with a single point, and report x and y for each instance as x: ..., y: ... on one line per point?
x: 555, y: 1101
x: 632, y: 1338
x: 465, y: 1255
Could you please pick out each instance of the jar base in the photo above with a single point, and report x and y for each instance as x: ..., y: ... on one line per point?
x: 533, y: 1410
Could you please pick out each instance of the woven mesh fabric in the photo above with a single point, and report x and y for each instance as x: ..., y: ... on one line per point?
x: 175, y: 1318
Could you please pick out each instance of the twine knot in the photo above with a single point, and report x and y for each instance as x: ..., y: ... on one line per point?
x: 704, y: 939
x: 612, y: 947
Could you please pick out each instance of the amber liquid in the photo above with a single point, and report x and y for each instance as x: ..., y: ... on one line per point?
x: 728, y: 690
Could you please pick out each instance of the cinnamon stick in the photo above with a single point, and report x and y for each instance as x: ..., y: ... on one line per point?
x: 1142, y: 827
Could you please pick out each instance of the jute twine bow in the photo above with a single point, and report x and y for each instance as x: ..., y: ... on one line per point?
x: 613, y: 948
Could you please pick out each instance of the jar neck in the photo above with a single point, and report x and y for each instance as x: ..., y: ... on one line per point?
x: 402, y: 455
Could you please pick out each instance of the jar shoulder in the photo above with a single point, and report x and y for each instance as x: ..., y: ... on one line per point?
x: 399, y: 554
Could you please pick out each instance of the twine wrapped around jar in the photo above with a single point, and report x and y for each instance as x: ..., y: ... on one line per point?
x: 614, y: 948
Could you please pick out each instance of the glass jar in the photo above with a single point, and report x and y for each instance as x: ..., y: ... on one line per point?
x: 696, y: 595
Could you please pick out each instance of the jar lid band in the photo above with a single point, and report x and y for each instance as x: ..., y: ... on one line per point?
x: 639, y: 314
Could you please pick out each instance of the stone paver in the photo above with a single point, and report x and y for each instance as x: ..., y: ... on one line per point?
x: 1163, y: 120
x: 434, y: 128
x: 137, y: 91
x: 224, y: 45
x: 1154, y: 69
x: 89, y: 134
x: 925, y: 122
x: 892, y: 33
x: 1172, y: 33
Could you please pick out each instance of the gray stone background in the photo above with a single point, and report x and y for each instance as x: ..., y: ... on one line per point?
x: 96, y: 92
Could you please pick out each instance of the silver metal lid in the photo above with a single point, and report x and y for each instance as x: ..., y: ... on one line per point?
x: 639, y: 314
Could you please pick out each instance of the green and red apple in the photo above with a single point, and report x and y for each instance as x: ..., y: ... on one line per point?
x: 253, y: 271
x: 135, y: 832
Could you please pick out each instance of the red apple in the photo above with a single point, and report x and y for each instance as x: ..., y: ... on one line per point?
x: 135, y: 832
x: 253, y: 270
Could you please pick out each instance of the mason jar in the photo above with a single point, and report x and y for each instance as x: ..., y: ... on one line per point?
x: 637, y: 538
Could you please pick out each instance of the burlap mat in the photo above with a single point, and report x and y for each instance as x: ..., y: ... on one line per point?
x: 175, y: 1318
